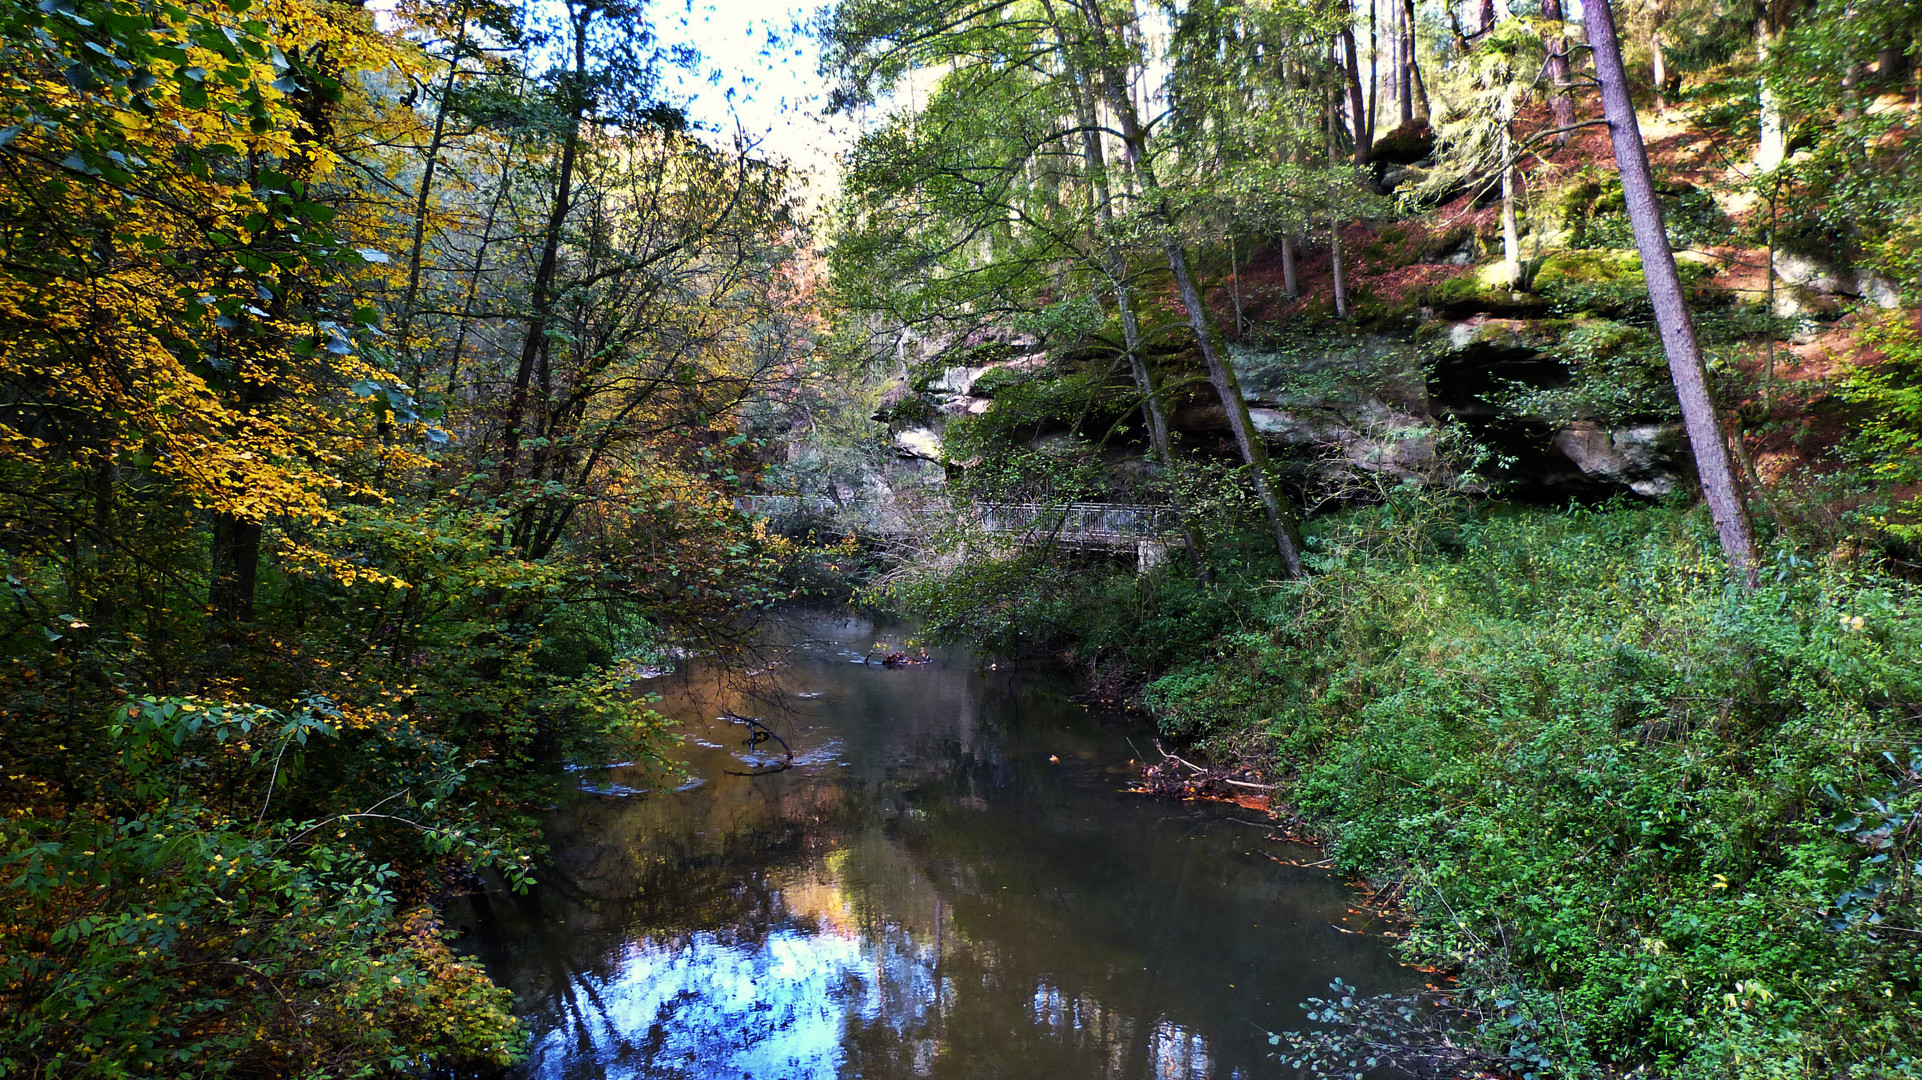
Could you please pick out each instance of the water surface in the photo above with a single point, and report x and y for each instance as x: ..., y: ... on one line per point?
x: 949, y: 882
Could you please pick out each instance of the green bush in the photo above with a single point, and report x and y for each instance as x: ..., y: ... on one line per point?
x: 1675, y: 814
x: 1889, y: 443
x: 191, y: 940
x: 1649, y: 818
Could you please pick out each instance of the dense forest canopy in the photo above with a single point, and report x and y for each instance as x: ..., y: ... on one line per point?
x: 379, y: 392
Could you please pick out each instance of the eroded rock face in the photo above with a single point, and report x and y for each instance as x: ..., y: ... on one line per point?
x: 1370, y: 438
x: 918, y: 442
x: 1813, y: 279
x: 1650, y: 460
x: 1380, y: 404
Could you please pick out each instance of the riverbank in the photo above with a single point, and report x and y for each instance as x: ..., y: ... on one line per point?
x: 1651, y: 820
x: 946, y: 876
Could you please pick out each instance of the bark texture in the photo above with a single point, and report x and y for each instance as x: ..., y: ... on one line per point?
x: 1713, y: 462
x: 1562, y: 101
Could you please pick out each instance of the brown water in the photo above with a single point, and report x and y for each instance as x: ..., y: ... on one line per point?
x: 950, y: 882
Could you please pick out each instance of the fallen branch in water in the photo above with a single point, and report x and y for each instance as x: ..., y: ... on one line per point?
x: 1167, y: 778
x: 1214, y: 775
x: 759, y: 733
x: 899, y: 659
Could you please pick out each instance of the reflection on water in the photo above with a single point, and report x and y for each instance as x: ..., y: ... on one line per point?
x: 949, y: 883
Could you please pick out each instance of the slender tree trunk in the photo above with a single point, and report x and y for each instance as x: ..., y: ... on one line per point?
x: 236, y: 567
x: 1488, y: 15
x: 1351, y: 74
x: 1374, y: 67
x: 1562, y: 102
x: 1221, y: 373
x: 1290, y: 280
x: 417, y: 247
x: 1659, y: 60
x: 1405, y: 60
x: 1773, y: 149
x: 1234, y: 271
x: 1418, y: 96
x: 1397, y: 91
x: 484, y: 241
x: 1511, y: 233
x: 1768, y: 269
x: 1334, y: 223
x: 1705, y: 433
x: 1115, y: 266
x: 545, y: 274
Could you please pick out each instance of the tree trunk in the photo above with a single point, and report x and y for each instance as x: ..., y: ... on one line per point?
x: 1334, y: 223
x: 1397, y: 94
x: 234, y: 554
x: 1511, y: 233
x: 417, y: 247
x: 1115, y: 266
x: 1221, y: 374
x: 1418, y: 93
x: 546, y: 273
x: 1405, y: 61
x: 1659, y: 65
x: 1488, y: 15
x: 1891, y: 64
x: 1374, y: 67
x: 1774, y: 146
x: 1290, y: 280
x: 1562, y: 103
x: 481, y: 245
x: 1705, y: 435
x: 236, y: 568
x: 1351, y: 74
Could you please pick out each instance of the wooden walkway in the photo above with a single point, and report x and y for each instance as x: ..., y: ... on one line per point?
x: 1147, y: 530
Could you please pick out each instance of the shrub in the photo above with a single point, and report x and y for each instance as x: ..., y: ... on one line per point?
x: 1673, y: 810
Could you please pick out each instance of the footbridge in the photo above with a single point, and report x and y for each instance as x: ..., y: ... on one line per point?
x: 1149, y: 531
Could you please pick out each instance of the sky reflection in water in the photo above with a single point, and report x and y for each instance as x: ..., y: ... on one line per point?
x: 930, y: 895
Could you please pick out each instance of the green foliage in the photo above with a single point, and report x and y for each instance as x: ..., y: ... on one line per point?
x: 285, y: 659
x: 1618, y: 376
x: 1609, y: 776
x: 1855, y: 194
x: 1889, y: 441
x: 1650, y: 818
x: 210, y: 935
x: 1601, y: 282
x: 1597, y: 216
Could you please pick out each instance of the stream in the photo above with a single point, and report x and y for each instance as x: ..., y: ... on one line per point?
x: 950, y: 880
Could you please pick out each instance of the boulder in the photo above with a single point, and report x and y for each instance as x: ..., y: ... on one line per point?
x: 1651, y: 460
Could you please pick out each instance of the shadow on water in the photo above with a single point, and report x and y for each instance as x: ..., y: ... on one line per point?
x: 948, y: 882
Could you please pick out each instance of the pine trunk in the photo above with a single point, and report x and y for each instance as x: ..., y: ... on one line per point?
x: 1357, y: 111
x: 1562, y: 102
x: 1418, y: 92
x: 1713, y: 462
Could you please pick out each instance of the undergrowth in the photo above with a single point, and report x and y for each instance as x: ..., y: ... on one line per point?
x: 1650, y: 819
